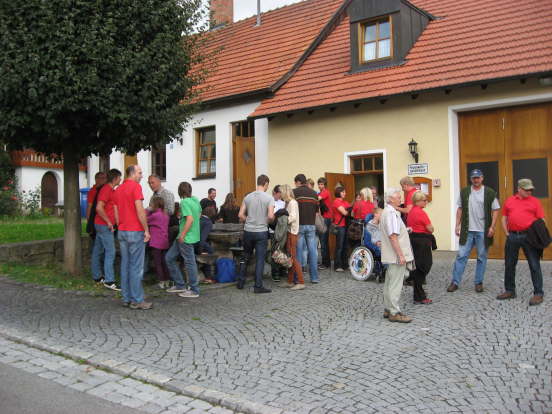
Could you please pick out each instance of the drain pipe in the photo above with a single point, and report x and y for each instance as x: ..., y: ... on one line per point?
x: 258, y: 13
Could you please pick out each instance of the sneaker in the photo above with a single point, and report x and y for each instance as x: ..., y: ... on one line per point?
x: 322, y: 267
x: 479, y: 288
x: 399, y: 317
x: 425, y: 301
x: 299, y: 286
x: 315, y: 281
x: 112, y: 286
x: 536, y: 300
x: 386, y: 314
x: 261, y: 290
x: 175, y: 289
x: 101, y: 280
x: 288, y: 285
x: 163, y: 285
x: 506, y: 295
x: 452, y: 287
x: 141, y: 306
x: 339, y: 269
x: 125, y: 304
x: 189, y: 294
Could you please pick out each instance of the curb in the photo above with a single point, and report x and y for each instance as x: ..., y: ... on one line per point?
x: 229, y: 401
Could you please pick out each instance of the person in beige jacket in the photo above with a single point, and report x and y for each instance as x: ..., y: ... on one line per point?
x: 396, y: 252
x: 292, y: 208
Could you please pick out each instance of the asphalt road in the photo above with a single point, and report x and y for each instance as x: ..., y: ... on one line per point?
x: 24, y: 393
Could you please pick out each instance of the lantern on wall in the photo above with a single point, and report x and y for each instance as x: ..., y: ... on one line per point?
x: 413, y: 149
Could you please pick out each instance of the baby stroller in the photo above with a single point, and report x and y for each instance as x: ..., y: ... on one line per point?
x: 365, y: 260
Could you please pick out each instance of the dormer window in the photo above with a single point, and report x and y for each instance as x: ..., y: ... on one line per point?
x: 377, y: 42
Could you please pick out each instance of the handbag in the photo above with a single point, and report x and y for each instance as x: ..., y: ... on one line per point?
x: 320, y: 224
x: 281, y: 258
x: 334, y: 227
x: 354, y: 231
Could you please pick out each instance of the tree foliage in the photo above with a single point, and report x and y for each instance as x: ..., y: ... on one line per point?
x: 94, y: 75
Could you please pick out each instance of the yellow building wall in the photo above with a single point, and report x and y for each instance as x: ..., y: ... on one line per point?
x: 316, y: 143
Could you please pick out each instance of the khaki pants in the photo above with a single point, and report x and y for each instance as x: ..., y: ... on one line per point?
x: 394, y: 278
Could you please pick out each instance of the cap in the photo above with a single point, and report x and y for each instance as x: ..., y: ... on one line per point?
x: 476, y: 173
x: 526, y: 184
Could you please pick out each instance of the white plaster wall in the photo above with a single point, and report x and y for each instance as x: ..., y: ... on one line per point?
x: 181, y: 156
x: 29, y: 178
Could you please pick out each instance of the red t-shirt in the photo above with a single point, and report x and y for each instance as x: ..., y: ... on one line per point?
x: 417, y: 220
x: 338, y: 218
x: 325, y: 198
x: 361, y: 208
x: 522, y: 212
x: 408, y: 197
x: 91, y: 194
x: 107, y: 195
x: 125, y: 197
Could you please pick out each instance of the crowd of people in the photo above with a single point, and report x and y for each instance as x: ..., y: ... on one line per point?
x: 292, y: 223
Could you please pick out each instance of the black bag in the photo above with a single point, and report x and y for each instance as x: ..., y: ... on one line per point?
x: 90, y: 228
x: 354, y: 231
x: 333, y: 227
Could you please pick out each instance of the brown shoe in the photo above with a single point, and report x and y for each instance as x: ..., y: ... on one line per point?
x: 536, y: 300
x: 506, y: 295
x: 479, y: 288
x: 399, y: 317
x: 386, y: 314
x: 452, y: 287
x: 141, y: 306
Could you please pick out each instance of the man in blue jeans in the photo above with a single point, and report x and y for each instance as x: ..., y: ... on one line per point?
x: 188, y: 236
x: 133, y: 235
x: 308, y: 206
x: 475, y: 224
x: 257, y: 210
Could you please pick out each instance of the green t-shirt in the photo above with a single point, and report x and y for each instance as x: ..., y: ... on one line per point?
x: 190, y: 207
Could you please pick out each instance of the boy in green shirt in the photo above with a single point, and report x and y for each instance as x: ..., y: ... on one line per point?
x: 188, y: 235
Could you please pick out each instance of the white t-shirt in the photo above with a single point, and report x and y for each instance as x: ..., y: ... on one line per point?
x: 476, y: 209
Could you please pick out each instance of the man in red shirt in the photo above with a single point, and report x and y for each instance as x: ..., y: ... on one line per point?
x: 518, y: 214
x: 326, y: 210
x: 99, y: 180
x: 133, y: 235
x: 104, y: 223
x: 409, y: 188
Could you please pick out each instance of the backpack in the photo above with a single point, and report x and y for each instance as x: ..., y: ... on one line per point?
x: 226, y: 270
x: 90, y: 228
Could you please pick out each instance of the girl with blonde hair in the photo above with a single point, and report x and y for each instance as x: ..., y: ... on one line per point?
x: 293, y: 220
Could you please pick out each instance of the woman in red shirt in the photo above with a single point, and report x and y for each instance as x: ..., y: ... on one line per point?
x: 339, y: 212
x: 364, y: 206
x: 421, y: 239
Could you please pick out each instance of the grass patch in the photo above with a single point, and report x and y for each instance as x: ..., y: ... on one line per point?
x: 50, y: 275
x: 23, y: 229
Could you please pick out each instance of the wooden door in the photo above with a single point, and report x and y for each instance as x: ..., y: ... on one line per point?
x: 348, y: 180
x: 508, y: 144
x: 48, y: 190
x: 130, y: 160
x: 243, y: 160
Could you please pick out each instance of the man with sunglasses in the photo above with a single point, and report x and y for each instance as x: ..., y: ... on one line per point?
x: 519, y: 213
x: 476, y: 218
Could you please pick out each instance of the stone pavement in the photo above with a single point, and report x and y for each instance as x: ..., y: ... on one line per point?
x: 325, y: 349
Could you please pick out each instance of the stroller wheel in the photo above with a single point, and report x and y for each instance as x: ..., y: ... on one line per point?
x: 361, y: 263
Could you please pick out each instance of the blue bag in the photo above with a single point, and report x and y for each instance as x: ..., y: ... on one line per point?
x: 226, y: 270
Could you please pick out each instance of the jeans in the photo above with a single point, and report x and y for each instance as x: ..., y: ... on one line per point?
x: 259, y: 242
x: 132, y: 248
x: 511, y: 252
x: 205, y: 226
x: 340, y: 257
x: 476, y: 238
x: 325, y: 244
x: 307, y: 234
x: 187, y: 252
x: 104, y: 244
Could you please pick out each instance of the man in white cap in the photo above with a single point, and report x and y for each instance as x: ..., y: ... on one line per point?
x: 520, y: 211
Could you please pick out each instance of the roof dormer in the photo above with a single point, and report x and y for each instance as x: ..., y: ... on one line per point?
x: 383, y: 32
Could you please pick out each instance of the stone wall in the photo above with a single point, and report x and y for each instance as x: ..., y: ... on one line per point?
x: 39, y: 252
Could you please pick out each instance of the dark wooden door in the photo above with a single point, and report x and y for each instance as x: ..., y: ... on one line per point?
x: 48, y: 190
x: 243, y: 166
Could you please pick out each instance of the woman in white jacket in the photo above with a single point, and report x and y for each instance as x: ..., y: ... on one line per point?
x: 293, y: 229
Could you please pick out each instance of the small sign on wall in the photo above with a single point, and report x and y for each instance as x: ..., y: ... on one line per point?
x: 418, y: 169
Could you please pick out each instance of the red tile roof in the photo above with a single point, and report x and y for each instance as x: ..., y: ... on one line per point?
x: 471, y: 41
x: 255, y: 58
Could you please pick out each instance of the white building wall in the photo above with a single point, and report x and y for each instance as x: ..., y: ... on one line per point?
x: 181, y: 163
x: 30, y: 178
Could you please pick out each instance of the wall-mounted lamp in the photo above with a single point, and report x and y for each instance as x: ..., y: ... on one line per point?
x: 413, y: 148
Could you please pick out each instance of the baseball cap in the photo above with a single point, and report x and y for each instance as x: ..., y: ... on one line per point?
x: 476, y: 173
x: 526, y: 184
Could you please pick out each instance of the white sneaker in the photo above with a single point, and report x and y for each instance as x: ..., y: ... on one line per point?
x: 188, y: 294
x: 299, y: 286
x: 339, y: 270
x: 175, y: 289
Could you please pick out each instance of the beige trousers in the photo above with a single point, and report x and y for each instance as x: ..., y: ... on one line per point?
x: 394, y: 278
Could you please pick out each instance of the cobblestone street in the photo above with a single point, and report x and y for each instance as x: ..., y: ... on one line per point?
x: 321, y: 350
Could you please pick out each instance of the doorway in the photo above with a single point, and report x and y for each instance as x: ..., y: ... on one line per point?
x: 130, y: 160
x: 507, y: 144
x: 48, y: 190
x: 243, y: 158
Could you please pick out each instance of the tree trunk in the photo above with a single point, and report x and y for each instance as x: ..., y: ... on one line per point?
x: 72, y: 251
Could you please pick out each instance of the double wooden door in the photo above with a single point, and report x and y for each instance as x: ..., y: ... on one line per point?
x: 508, y: 144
